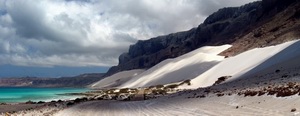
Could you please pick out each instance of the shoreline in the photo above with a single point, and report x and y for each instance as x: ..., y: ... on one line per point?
x: 49, y: 106
x: 221, y: 93
x: 15, y: 95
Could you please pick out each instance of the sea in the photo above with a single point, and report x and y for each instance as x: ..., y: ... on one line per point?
x: 24, y: 94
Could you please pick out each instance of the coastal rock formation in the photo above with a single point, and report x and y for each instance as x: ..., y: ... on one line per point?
x: 249, y: 26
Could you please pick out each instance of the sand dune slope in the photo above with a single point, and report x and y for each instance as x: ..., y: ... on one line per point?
x: 116, y: 79
x: 185, y: 67
x: 254, y: 62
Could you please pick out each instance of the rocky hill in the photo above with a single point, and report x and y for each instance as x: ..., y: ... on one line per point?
x: 257, y: 24
x: 76, y: 81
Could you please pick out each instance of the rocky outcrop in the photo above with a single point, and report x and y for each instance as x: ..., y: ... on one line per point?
x: 226, y: 26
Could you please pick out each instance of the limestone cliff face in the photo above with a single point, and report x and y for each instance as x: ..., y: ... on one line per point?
x: 225, y: 26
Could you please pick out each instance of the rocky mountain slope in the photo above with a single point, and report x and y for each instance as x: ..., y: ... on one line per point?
x: 76, y: 81
x: 257, y: 24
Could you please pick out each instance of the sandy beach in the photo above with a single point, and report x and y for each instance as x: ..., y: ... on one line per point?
x: 212, y: 106
x: 18, y: 107
x: 33, y: 109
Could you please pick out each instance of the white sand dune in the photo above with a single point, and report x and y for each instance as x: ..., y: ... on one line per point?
x: 185, y: 67
x: 186, y: 104
x: 251, y: 70
x: 204, y: 67
x: 116, y: 79
x: 251, y: 63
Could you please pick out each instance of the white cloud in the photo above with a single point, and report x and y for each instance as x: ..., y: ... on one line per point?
x: 91, y: 33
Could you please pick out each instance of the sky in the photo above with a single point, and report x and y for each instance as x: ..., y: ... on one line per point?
x: 55, y: 37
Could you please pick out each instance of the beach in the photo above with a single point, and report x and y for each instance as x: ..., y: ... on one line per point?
x: 18, y: 107
x: 36, y: 109
x: 34, y: 101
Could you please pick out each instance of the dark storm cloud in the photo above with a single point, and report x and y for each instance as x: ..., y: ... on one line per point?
x: 27, y: 19
x: 91, y: 32
x: 2, y: 12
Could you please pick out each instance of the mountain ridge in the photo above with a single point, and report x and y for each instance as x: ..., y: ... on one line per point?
x: 77, y: 81
x: 226, y: 26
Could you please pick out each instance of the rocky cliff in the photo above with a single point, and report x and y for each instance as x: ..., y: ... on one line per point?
x: 256, y: 24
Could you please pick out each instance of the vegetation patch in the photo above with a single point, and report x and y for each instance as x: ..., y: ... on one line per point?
x: 293, y: 110
x: 250, y: 93
x: 188, y: 82
x: 221, y: 79
x: 172, y: 86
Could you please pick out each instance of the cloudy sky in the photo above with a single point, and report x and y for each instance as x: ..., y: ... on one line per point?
x: 66, y: 34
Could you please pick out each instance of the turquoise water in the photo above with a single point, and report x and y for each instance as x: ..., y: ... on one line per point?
x: 21, y: 94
